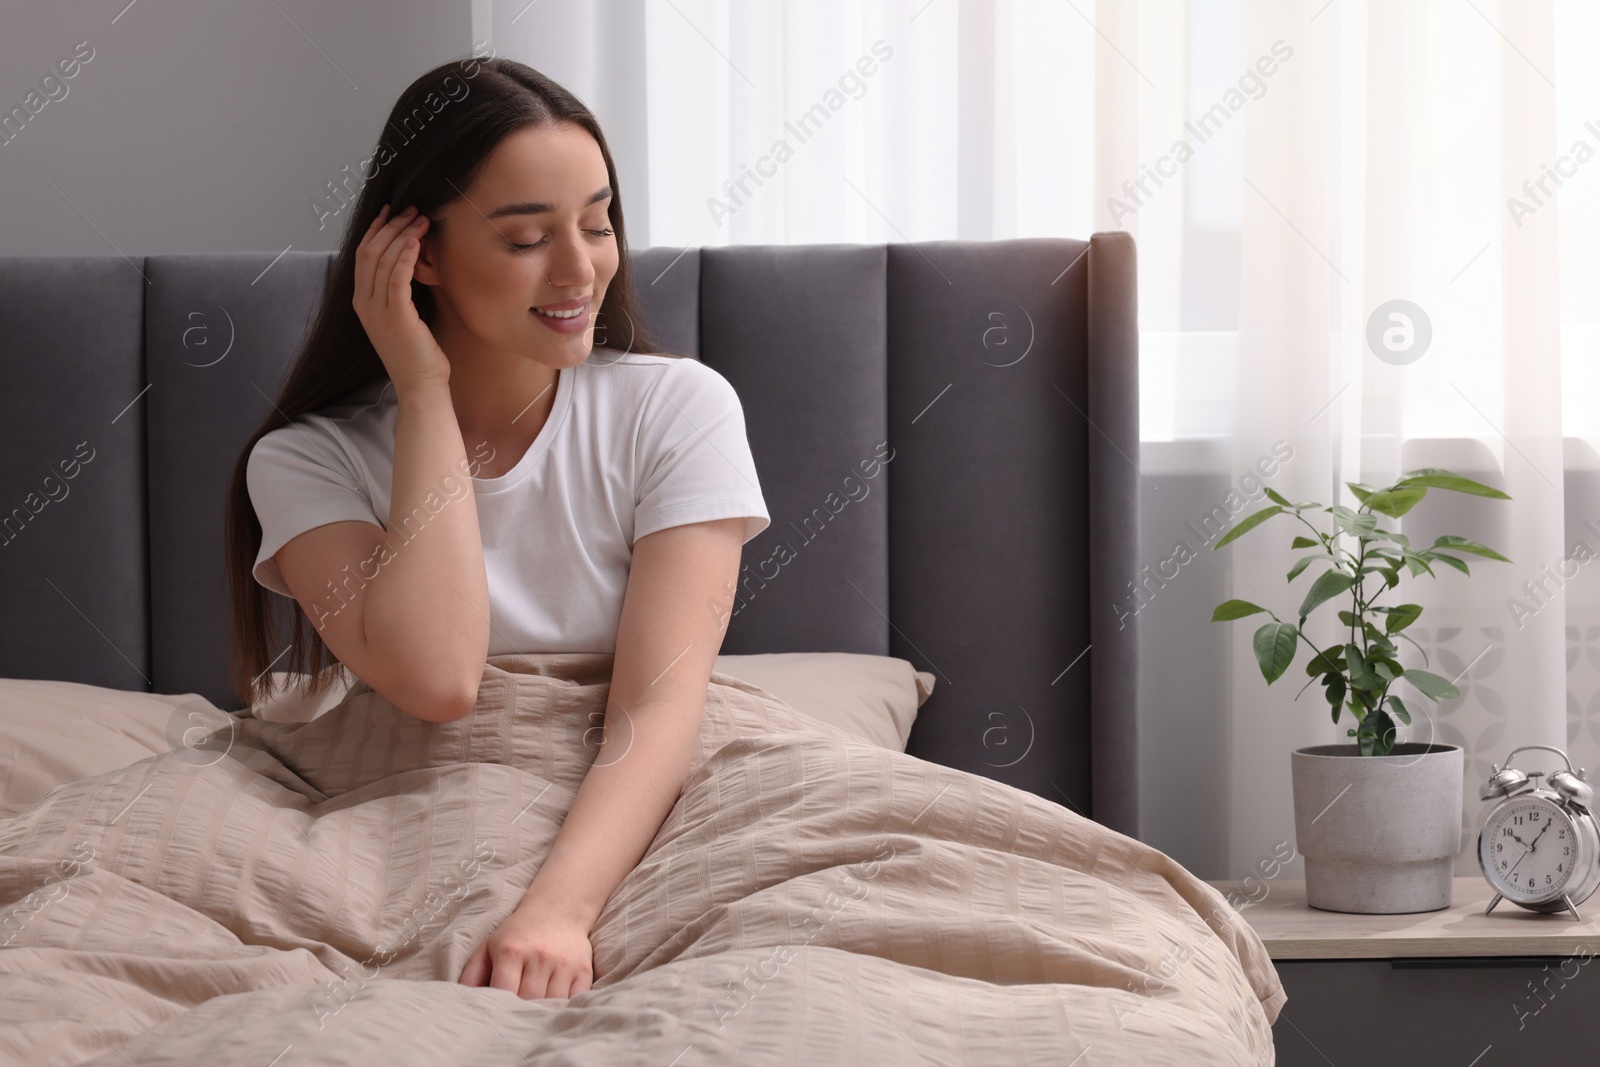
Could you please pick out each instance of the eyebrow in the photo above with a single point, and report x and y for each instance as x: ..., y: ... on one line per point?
x: 540, y: 207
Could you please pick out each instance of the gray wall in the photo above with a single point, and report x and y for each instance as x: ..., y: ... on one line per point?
x: 201, y: 127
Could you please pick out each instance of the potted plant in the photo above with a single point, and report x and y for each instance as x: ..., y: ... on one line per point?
x: 1379, y: 823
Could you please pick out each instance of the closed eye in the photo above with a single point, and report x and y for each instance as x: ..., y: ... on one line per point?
x: 607, y: 232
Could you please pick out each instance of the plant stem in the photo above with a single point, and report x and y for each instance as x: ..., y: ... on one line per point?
x: 1358, y: 617
x: 1326, y: 539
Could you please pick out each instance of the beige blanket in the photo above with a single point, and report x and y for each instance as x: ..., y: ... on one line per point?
x: 308, y: 893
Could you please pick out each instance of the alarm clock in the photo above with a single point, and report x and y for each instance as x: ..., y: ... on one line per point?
x: 1540, y: 846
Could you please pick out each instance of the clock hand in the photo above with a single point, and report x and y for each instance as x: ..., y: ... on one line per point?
x: 1526, y: 849
x: 1529, y: 852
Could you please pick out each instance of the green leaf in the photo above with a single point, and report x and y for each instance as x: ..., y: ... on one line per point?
x: 1304, y: 561
x: 1353, y: 523
x: 1401, y: 616
x: 1275, y: 646
x: 1458, y: 564
x: 1234, y: 609
x: 1396, y: 502
x: 1328, y: 585
x: 1304, y: 542
x: 1378, y: 641
x: 1383, y: 729
x: 1376, y: 738
x: 1278, y: 498
x: 1438, y: 478
x: 1419, y: 648
x: 1361, y: 676
x: 1335, y: 692
x: 1361, y: 490
x: 1383, y: 669
x: 1465, y: 544
x: 1328, y: 661
x: 1248, y: 523
x: 1397, y: 706
x: 1416, y: 564
x: 1431, y: 685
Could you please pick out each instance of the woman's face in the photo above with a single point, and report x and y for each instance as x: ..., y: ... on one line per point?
x: 530, y: 235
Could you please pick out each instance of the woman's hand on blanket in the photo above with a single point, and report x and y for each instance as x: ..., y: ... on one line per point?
x: 535, y: 955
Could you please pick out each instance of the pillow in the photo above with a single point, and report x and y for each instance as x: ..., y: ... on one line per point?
x: 873, y: 697
x: 55, y: 732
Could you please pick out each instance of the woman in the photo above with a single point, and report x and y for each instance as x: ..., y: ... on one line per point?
x: 602, y: 508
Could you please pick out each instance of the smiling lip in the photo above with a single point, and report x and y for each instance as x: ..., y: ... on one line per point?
x: 566, y: 305
x: 574, y: 325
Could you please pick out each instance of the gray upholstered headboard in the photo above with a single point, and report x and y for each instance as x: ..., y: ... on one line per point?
x: 991, y: 549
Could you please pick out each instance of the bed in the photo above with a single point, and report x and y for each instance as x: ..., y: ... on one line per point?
x: 241, y: 889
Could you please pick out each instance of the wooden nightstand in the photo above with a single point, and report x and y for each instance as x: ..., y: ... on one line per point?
x: 1453, y: 987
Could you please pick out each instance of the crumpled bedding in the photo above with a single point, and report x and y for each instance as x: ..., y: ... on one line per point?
x: 307, y: 893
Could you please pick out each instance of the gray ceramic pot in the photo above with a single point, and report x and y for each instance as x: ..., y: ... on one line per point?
x: 1380, y: 834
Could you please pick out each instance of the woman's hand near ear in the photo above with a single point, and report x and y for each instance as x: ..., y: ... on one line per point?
x: 384, y: 262
x: 428, y: 605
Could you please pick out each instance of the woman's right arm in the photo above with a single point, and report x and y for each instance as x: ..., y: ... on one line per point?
x: 418, y: 631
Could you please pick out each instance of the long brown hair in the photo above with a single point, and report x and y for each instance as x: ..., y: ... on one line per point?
x: 438, y: 136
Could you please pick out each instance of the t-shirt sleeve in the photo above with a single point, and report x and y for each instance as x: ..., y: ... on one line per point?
x: 299, y: 478
x: 694, y: 455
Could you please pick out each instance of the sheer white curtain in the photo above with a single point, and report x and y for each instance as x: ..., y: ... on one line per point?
x: 1288, y: 167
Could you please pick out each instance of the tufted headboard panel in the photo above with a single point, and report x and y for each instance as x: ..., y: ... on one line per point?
x: 994, y: 384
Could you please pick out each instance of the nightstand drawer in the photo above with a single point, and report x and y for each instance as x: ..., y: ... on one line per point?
x: 1453, y: 986
x: 1463, y: 1011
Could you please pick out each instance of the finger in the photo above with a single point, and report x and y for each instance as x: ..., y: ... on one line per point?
x: 535, y: 981
x: 383, y: 285
x: 579, y: 982
x: 388, y: 287
x: 366, y: 254
x: 396, y: 224
x: 560, y: 986
x: 509, y: 973
x: 477, y: 968
x: 385, y: 234
x: 404, y: 268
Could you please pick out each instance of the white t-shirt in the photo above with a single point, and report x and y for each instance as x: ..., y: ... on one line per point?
x: 634, y: 444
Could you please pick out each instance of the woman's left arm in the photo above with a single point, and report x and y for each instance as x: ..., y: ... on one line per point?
x: 674, y: 614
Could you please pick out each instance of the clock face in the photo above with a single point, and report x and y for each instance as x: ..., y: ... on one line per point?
x: 1528, y: 848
